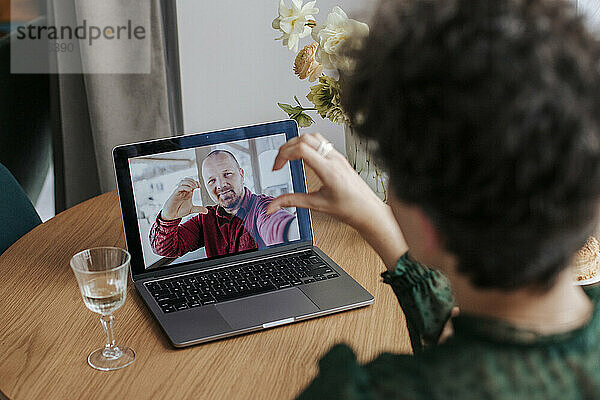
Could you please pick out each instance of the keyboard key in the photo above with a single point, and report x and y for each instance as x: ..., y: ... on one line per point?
x: 320, y: 278
x: 194, y: 303
x: 332, y: 276
x: 165, y: 297
x: 320, y: 271
x: 309, y: 280
x: 181, y: 306
x: 168, y: 309
x: 284, y: 285
x: 210, y: 301
x: 296, y: 282
x: 154, y: 287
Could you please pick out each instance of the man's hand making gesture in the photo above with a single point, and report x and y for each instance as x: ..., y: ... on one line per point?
x: 179, y: 204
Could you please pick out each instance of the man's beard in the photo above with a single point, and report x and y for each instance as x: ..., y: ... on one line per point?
x: 231, y: 200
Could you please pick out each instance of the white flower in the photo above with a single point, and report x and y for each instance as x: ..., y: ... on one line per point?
x: 330, y: 36
x: 295, y: 22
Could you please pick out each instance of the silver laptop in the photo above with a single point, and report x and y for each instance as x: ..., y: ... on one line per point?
x: 207, y: 259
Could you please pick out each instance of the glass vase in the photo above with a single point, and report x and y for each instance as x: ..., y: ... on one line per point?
x: 361, y: 159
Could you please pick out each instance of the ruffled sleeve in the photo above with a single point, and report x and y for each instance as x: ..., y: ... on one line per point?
x: 389, y: 376
x: 340, y: 377
x: 426, y: 298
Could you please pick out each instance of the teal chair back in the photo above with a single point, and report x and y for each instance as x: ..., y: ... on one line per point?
x: 17, y: 214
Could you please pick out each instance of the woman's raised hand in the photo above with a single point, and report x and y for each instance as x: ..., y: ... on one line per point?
x: 343, y: 194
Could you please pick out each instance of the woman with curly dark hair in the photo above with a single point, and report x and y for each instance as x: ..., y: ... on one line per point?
x: 487, y: 118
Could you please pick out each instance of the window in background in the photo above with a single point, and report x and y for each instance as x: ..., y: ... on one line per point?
x: 22, y: 11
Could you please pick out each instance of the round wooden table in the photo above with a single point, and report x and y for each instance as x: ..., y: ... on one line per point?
x: 46, y: 332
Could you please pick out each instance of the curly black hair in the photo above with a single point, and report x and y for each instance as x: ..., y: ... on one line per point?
x: 487, y: 116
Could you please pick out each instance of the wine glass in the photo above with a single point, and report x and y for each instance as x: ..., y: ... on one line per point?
x: 101, y: 273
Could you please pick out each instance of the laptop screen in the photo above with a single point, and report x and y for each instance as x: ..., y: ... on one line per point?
x: 210, y: 201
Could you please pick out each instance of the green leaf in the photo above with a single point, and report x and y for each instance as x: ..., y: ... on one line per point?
x: 304, y: 120
x: 290, y: 110
x: 297, y: 114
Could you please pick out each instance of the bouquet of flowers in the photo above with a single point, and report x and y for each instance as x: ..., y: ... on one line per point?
x: 320, y: 60
x: 323, y: 60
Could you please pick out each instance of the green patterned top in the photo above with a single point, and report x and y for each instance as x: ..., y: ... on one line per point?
x: 484, y: 359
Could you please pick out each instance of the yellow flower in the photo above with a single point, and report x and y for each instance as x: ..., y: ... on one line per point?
x: 305, y: 64
x: 326, y: 97
x: 295, y: 23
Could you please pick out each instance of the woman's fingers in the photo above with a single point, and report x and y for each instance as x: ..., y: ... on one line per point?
x: 280, y: 161
x: 302, y: 200
x: 305, y: 148
x: 305, y: 152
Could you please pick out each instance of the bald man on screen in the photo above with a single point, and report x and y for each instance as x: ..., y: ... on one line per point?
x: 237, y: 222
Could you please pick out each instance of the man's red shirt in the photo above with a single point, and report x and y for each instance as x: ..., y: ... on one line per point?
x: 221, y: 233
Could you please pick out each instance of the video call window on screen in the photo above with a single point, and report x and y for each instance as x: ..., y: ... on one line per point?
x: 211, y: 201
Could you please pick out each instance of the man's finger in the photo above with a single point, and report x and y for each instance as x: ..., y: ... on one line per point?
x: 191, y: 181
x: 302, y: 200
x: 199, y: 210
x: 185, y: 187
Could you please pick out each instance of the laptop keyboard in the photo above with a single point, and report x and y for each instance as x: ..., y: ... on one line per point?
x: 204, y: 288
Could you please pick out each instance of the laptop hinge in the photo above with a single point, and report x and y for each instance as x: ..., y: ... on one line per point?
x: 193, y: 269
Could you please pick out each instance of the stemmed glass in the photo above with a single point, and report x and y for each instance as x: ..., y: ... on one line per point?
x: 101, y: 273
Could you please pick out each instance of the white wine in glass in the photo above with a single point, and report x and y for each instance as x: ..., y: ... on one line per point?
x: 103, y: 297
x: 102, y: 277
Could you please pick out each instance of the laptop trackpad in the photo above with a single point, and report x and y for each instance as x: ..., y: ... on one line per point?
x: 268, y: 307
